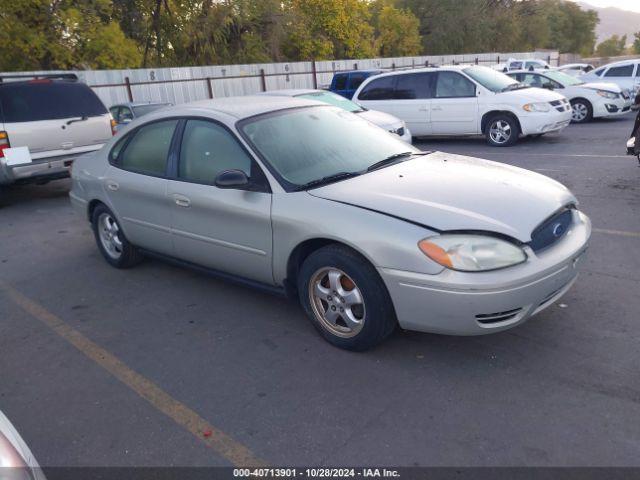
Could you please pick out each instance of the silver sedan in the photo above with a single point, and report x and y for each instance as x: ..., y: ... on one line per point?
x: 309, y: 200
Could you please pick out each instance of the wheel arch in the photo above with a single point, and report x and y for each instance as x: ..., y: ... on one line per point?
x: 91, y: 207
x: 487, y: 116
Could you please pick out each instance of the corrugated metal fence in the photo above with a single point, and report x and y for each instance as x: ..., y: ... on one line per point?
x: 187, y: 84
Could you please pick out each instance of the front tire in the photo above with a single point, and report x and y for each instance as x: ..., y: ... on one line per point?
x: 582, y: 111
x: 113, y: 245
x: 502, y: 131
x: 345, y: 298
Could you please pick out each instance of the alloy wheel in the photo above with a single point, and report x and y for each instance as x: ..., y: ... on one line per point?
x: 109, y: 233
x: 337, y: 302
x: 500, y: 131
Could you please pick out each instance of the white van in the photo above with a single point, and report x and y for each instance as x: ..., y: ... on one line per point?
x: 460, y: 100
x: 625, y: 74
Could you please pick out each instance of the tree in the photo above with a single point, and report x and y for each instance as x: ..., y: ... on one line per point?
x: 397, y: 31
x: 636, y: 43
x: 612, y: 46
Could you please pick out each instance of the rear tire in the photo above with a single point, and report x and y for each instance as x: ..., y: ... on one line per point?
x: 582, y: 111
x: 345, y: 298
x: 113, y: 245
x: 502, y: 130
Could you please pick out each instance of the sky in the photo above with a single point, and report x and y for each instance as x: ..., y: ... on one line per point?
x: 633, y: 5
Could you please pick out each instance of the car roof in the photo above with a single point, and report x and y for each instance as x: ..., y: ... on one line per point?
x: 138, y: 104
x: 370, y: 70
x: 620, y: 62
x: 294, y: 92
x: 249, y: 106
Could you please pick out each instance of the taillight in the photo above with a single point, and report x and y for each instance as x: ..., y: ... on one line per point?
x: 4, y: 143
x: 113, y: 127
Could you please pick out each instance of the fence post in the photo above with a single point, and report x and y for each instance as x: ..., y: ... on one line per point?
x: 127, y: 84
x: 476, y: 60
x: 315, y: 74
x: 355, y: 66
x: 549, y: 59
x: 263, y: 80
x: 393, y: 66
x: 498, y: 59
x: 209, y: 87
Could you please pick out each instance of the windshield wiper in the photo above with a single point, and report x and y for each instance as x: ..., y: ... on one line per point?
x: 393, y: 159
x: 515, y: 86
x: 328, y: 179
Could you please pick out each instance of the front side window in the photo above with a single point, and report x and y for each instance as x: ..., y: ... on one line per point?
x: 413, y: 86
x: 341, y: 82
x: 148, y: 150
x: 125, y: 114
x: 114, y: 111
x: 622, y: 71
x: 452, y: 85
x: 209, y: 149
x: 308, y: 144
x: 378, y: 89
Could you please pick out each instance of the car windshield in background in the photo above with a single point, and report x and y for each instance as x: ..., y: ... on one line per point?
x: 563, y: 78
x: 491, y: 79
x: 308, y: 144
x: 141, y: 110
x: 333, y: 99
x: 47, y: 100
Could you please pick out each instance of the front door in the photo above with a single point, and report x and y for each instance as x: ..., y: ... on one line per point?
x: 224, y: 229
x: 454, y: 108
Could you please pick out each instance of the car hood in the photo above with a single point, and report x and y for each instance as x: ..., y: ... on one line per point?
x: 608, y: 86
x: 380, y: 119
x: 531, y: 94
x: 445, y: 192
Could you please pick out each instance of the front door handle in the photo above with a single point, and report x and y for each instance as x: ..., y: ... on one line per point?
x: 113, y: 186
x: 438, y: 109
x: 182, y: 201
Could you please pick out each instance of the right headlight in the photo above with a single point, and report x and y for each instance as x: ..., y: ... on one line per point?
x: 471, y: 253
x: 536, y: 107
x: 606, y: 94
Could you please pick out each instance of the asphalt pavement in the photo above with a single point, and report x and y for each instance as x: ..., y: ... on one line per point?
x: 163, y: 366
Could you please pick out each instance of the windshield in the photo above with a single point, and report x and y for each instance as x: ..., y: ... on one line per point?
x: 307, y: 144
x: 489, y: 78
x: 563, y: 78
x: 141, y: 110
x: 333, y: 99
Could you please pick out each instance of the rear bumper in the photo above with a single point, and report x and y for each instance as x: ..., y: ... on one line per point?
x: 40, y: 170
x: 458, y: 303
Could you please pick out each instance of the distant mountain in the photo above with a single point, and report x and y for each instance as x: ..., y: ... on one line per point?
x: 614, y: 21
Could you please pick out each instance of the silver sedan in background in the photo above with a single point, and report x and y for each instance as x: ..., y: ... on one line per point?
x: 307, y: 199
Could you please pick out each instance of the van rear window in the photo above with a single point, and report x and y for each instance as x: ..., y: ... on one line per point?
x: 29, y: 102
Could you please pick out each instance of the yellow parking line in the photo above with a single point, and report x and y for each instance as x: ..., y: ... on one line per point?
x: 622, y: 233
x: 220, y: 442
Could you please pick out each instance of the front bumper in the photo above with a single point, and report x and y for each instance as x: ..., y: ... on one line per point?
x: 544, y: 122
x: 611, y: 107
x: 459, y: 303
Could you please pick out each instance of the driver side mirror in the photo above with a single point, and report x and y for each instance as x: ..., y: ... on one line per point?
x: 232, y: 179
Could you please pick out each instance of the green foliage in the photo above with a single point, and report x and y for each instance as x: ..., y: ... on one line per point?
x: 636, y: 43
x: 51, y: 34
x: 612, y: 46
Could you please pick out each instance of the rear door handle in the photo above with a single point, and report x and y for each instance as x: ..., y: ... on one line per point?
x: 182, y: 201
x: 113, y: 186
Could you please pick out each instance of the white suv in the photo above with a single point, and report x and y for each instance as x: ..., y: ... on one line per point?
x: 45, y: 124
x: 465, y: 101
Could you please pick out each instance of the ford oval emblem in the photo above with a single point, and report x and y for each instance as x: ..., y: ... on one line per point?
x: 558, y: 230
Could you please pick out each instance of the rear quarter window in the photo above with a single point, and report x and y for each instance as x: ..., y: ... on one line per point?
x: 33, y: 101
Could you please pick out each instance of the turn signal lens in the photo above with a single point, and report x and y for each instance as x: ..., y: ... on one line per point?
x: 113, y: 127
x: 471, y: 253
x: 4, y: 143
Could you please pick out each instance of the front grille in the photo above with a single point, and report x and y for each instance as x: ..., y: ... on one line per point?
x: 490, y: 318
x: 551, y: 230
x: 626, y: 109
x: 561, y: 105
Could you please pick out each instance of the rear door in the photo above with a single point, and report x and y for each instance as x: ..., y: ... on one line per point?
x: 454, y: 108
x: 136, y: 185
x: 412, y: 101
x: 54, y: 118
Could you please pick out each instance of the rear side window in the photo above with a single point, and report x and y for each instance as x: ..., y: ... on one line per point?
x: 148, y: 150
x: 208, y: 149
x: 378, y: 89
x: 341, y: 82
x: 48, y: 100
x: 414, y: 86
x: 622, y: 71
x: 452, y: 85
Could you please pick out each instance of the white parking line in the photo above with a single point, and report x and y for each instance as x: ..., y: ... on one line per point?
x: 622, y: 233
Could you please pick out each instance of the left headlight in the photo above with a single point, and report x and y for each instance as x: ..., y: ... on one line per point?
x: 471, y: 253
x: 536, y: 107
x: 605, y: 94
